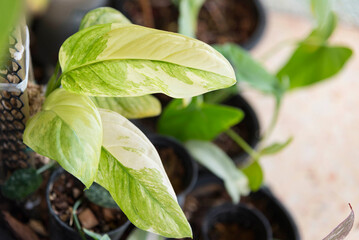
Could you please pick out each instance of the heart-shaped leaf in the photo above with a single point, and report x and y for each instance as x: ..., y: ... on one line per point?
x: 21, y: 183
x: 124, y: 60
x: 197, y: 121
x: 101, y: 16
x: 130, y: 107
x: 131, y: 170
x: 68, y: 130
x: 217, y: 161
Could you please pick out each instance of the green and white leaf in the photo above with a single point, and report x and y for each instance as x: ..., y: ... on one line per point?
x: 21, y: 184
x: 254, y: 174
x: 248, y: 70
x: 199, y: 121
x: 68, y: 130
x: 310, y: 64
x: 130, y: 107
x: 217, y: 161
x: 131, y: 170
x: 103, y: 15
x: 121, y: 60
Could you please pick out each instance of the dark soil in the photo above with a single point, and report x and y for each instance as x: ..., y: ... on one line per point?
x: 202, y: 200
x: 278, y: 223
x: 66, y: 191
x: 219, y: 21
x: 174, y: 168
x: 231, y: 231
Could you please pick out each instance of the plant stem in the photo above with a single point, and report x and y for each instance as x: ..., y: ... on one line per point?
x: 274, y: 119
x: 76, y: 220
x: 54, y: 81
x: 45, y: 167
x: 242, y: 143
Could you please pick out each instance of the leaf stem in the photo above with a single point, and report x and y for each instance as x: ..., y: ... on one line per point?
x: 45, y: 167
x: 76, y: 220
x: 243, y: 144
x: 54, y: 82
x: 274, y: 119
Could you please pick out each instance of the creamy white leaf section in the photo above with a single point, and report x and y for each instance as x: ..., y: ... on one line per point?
x: 131, y: 170
x: 68, y: 130
x: 128, y: 60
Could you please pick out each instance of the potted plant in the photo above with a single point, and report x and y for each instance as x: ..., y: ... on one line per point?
x: 97, y: 144
x: 295, y: 73
x: 219, y: 22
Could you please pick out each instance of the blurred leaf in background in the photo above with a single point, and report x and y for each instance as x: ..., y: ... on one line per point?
x: 9, y: 12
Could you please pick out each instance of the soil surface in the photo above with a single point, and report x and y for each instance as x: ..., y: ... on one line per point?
x: 231, y: 231
x: 66, y: 191
x: 219, y: 21
x: 174, y: 168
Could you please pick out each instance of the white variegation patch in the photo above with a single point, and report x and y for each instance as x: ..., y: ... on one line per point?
x: 130, y: 146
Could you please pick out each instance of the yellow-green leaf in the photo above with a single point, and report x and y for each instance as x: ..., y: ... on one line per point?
x: 130, y: 107
x: 101, y: 16
x: 131, y: 170
x: 68, y: 130
x: 124, y: 60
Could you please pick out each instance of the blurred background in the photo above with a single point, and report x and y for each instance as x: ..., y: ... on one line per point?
x: 317, y: 175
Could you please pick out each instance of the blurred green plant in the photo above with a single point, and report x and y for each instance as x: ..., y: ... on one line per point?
x: 314, y: 59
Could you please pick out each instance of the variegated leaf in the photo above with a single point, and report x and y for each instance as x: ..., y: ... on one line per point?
x: 130, y: 107
x: 131, y: 170
x: 128, y: 60
x: 101, y: 16
x: 68, y: 130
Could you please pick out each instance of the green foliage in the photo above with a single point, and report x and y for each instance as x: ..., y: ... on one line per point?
x: 100, y: 196
x: 275, y: 147
x: 199, y: 121
x: 130, y: 107
x: 9, y: 13
x: 68, y: 130
x: 254, y: 174
x: 130, y: 60
x: 21, y: 183
x: 144, y: 188
x: 310, y: 64
x: 249, y: 70
x: 187, y: 21
x: 213, y: 158
x: 101, y: 16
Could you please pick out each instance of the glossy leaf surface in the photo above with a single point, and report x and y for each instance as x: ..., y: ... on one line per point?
x: 131, y: 170
x: 68, y: 130
x: 128, y: 60
x: 130, y: 107
x: 197, y: 121
x: 101, y: 16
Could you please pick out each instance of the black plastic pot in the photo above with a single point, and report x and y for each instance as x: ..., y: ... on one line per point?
x: 249, y: 123
x: 161, y: 9
x: 249, y: 222
x: 189, y: 165
x: 60, y: 230
x: 211, y: 188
